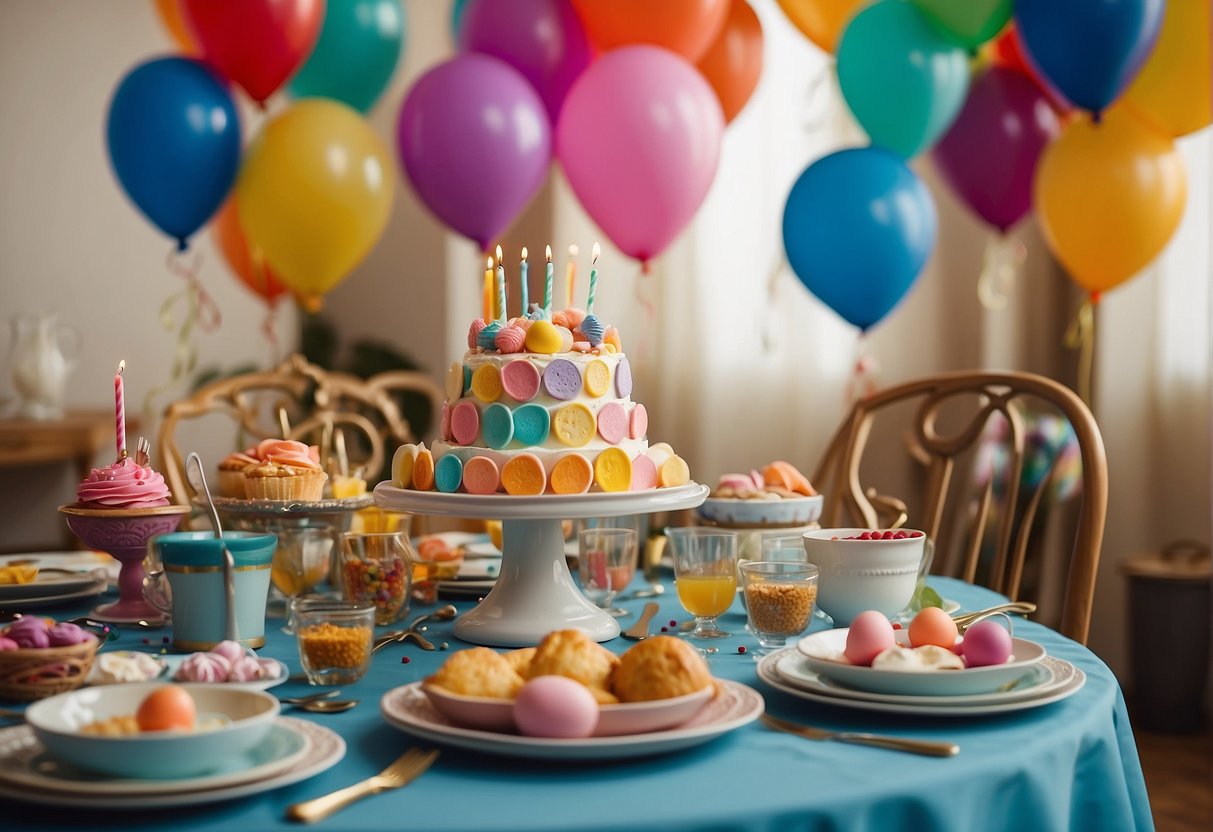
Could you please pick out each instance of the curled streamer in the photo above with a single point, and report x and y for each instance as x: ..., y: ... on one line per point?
x: 200, y: 310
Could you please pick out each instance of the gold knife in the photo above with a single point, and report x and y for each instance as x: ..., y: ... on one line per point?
x: 808, y: 732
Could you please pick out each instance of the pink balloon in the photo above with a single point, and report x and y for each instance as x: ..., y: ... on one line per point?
x: 639, y: 140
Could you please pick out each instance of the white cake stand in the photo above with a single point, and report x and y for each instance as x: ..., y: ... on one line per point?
x: 535, y: 592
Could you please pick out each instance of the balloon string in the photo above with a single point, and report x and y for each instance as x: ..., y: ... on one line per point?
x: 269, y: 328
x: 816, y: 114
x: 650, y: 314
x: 1000, y: 268
x: 208, y: 314
x: 863, y: 376
x: 768, y: 326
x: 185, y: 355
x: 1080, y: 335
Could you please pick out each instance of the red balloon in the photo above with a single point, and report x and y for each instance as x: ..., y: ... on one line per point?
x: 257, y: 43
x: 733, y: 63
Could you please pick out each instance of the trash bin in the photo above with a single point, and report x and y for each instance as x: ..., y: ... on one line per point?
x: 1169, y: 634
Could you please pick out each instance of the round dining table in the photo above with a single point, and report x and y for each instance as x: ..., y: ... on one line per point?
x: 1071, y: 764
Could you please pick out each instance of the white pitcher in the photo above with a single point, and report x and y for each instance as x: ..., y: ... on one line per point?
x: 43, y: 355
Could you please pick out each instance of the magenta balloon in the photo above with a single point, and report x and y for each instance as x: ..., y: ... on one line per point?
x: 989, y: 154
x: 542, y: 39
x: 475, y: 143
x: 639, y: 140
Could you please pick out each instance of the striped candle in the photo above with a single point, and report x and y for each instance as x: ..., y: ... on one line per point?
x: 589, y: 304
x: 120, y: 410
x: 547, y: 286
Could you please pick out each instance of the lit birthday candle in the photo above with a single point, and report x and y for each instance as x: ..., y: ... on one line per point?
x: 522, y: 283
x: 500, y: 286
x: 547, y: 285
x: 120, y: 410
x: 571, y: 272
x: 589, y: 304
x: 488, y: 290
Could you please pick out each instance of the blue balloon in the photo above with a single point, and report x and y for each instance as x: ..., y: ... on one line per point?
x: 858, y: 227
x: 1089, y: 50
x: 174, y: 142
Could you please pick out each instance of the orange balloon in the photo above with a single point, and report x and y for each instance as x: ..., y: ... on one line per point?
x: 1174, y: 90
x: 173, y: 18
x: 248, y: 265
x: 1109, y: 196
x: 733, y: 62
x: 821, y: 21
x: 687, y: 27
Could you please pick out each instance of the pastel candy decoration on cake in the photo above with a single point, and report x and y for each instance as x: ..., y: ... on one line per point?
x: 124, y: 484
x: 541, y: 404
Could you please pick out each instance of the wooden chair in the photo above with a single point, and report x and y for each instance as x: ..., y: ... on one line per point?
x: 314, y: 400
x: 983, y: 532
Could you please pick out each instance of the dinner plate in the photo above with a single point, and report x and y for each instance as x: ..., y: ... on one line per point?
x: 324, y: 749
x: 463, y: 590
x: 479, y: 569
x: 54, y: 595
x: 410, y: 710
x: 823, y: 654
x: 23, y: 761
x: 1040, y: 680
x: 49, y: 583
x: 768, y: 672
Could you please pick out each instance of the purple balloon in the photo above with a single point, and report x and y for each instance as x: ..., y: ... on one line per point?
x: 989, y: 154
x: 542, y: 39
x: 475, y: 142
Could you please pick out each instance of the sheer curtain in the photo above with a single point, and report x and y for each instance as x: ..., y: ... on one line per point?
x: 740, y: 365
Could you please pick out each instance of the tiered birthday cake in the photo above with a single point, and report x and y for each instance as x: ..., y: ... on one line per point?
x: 541, y: 403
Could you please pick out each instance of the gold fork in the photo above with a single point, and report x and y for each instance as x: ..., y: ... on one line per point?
x: 408, y: 767
x: 808, y: 732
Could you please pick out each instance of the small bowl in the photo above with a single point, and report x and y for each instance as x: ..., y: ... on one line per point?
x: 823, y: 654
x: 157, y: 755
x: 742, y: 514
x: 858, y: 575
x: 487, y: 714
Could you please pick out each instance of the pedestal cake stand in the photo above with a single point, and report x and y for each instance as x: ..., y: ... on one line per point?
x: 535, y: 592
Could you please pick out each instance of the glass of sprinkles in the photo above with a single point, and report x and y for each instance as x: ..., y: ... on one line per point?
x: 377, y: 569
x: 779, y: 599
x: 334, y: 638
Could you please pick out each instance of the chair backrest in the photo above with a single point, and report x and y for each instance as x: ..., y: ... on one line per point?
x: 986, y: 524
x: 313, y: 399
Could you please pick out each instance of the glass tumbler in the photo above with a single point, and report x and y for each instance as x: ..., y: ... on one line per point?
x: 377, y: 569
x: 779, y: 599
x: 606, y: 563
x: 334, y: 638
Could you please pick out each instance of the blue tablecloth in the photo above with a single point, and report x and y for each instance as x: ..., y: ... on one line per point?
x: 1068, y: 765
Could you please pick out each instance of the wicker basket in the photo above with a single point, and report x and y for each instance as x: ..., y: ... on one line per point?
x: 36, y: 673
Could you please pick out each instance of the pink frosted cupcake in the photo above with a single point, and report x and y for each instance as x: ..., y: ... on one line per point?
x: 288, y: 471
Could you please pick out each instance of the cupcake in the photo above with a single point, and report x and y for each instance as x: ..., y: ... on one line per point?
x: 125, y: 484
x: 231, y: 472
x: 287, y: 471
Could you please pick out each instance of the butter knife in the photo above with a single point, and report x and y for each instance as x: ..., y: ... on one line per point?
x: 640, y: 630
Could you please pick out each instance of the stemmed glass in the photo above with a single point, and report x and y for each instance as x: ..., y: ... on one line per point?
x: 300, y: 563
x: 606, y: 563
x: 705, y: 575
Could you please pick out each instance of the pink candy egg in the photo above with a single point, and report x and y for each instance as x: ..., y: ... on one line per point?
x: 986, y: 643
x: 869, y: 634
x: 554, y: 706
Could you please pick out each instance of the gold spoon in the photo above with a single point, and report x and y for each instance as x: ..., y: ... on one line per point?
x: 328, y: 706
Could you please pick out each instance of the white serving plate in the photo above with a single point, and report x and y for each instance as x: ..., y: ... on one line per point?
x: 410, y: 710
x: 1042, y: 678
x: 823, y: 654
x: 324, y: 750
x: 768, y: 672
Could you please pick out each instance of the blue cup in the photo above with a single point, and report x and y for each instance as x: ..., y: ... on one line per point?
x: 192, y: 562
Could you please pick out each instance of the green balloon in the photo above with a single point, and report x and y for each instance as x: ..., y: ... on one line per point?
x: 968, y: 22
x: 356, y: 53
x: 903, y: 81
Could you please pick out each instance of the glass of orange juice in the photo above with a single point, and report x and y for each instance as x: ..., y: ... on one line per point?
x: 705, y: 575
x: 300, y: 563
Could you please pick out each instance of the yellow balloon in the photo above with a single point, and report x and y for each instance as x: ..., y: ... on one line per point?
x: 1109, y: 196
x: 315, y: 192
x: 821, y: 21
x: 1174, y: 90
